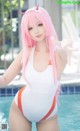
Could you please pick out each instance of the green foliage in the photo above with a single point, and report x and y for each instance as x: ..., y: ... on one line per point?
x: 9, y: 5
x: 6, y: 7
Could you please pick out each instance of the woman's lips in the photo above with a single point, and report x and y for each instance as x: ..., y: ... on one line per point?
x: 38, y: 36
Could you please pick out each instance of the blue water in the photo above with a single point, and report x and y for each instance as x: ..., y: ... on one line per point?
x: 69, y: 112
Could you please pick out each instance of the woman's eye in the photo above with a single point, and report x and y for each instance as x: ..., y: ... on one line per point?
x: 30, y: 28
x: 40, y: 24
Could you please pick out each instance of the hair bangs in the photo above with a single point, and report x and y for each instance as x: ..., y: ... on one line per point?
x: 31, y: 18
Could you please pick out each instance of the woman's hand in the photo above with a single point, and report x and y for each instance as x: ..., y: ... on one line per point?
x: 69, y: 47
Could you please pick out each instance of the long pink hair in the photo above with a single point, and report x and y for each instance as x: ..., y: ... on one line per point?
x: 28, y: 43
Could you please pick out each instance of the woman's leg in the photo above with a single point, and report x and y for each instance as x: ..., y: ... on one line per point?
x: 50, y: 124
x: 17, y: 122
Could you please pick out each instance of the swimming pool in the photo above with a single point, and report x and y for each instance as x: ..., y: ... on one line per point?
x: 69, y: 111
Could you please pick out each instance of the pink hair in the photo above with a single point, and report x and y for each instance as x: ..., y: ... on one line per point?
x: 28, y: 43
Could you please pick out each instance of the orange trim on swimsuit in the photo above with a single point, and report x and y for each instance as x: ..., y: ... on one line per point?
x: 19, y: 98
x: 51, y: 109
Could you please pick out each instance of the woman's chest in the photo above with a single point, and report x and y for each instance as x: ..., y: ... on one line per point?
x: 37, y: 75
x: 41, y: 62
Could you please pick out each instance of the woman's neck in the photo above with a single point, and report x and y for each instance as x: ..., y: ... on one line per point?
x: 42, y: 47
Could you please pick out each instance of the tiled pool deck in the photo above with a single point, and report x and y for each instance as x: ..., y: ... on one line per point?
x: 70, y: 84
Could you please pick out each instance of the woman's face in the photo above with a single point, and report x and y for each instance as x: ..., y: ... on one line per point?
x: 37, y: 30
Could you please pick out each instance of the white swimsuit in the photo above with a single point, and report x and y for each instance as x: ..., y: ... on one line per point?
x: 37, y: 99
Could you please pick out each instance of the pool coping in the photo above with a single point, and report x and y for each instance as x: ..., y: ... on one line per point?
x: 68, y: 86
x: 11, y: 90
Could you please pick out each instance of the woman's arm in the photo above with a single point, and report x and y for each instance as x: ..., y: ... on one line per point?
x: 63, y: 50
x: 61, y: 60
x: 12, y: 71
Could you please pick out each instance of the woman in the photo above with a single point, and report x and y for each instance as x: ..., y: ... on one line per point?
x: 42, y: 62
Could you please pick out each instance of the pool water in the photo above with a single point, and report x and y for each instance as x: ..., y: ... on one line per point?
x: 69, y: 112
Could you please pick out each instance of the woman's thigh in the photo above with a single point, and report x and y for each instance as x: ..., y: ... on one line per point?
x: 50, y: 124
x: 17, y: 122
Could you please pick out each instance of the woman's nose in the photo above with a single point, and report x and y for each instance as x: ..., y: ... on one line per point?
x: 36, y: 30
